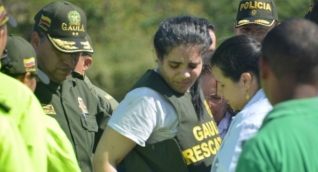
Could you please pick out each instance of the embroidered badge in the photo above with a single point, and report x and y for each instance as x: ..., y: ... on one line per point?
x: 3, y: 12
x: 253, y: 12
x: 108, y: 97
x: 74, y: 23
x: 45, y: 20
x: 49, y: 109
x: 3, y: 16
x: 309, y: 10
x: 82, y: 105
x: 74, y: 17
x: 29, y: 64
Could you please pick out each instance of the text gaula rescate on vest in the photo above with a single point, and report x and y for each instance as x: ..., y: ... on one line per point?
x: 209, y: 145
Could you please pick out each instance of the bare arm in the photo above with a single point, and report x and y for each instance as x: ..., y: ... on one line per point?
x: 111, y: 150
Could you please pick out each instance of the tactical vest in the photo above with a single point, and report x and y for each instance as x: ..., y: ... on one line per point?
x: 195, y: 145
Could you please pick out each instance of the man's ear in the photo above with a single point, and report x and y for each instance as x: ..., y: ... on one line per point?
x: 27, y: 77
x: 235, y: 29
x: 3, y: 33
x: 22, y: 78
x: 35, y: 40
x: 87, y: 62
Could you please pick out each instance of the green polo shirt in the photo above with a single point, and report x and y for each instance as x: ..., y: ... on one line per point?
x: 287, y: 140
x: 28, y: 115
x: 13, y: 152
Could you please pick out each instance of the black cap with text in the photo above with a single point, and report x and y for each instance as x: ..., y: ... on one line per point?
x: 65, y: 26
x: 262, y: 12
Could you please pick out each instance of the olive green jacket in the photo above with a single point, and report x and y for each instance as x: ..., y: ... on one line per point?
x: 79, y: 113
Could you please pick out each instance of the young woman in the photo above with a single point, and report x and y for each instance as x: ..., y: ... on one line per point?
x: 235, y: 67
x: 157, y: 127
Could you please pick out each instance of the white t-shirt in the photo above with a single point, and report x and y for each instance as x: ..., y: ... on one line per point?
x: 145, y: 116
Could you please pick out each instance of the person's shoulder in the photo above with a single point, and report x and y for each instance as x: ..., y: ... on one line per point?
x: 261, y: 106
x: 13, y: 86
x: 145, y: 93
x: 142, y: 97
x: 104, y: 94
x: 14, y: 91
x: 256, y: 112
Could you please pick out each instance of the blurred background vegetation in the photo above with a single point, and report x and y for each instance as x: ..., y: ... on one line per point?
x: 122, y: 31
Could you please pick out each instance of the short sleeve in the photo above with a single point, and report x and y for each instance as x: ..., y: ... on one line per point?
x: 136, y: 116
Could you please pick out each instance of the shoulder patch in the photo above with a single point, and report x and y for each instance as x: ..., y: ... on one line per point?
x: 108, y: 97
x: 82, y: 105
x: 49, y: 109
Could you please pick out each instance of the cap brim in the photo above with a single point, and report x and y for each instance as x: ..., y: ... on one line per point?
x: 42, y: 76
x: 12, y: 21
x: 255, y: 20
x: 71, y: 45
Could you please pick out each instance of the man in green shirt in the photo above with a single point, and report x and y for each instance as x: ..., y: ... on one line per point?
x: 289, y: 74
x: 20, y: 62
x: 58, y: 38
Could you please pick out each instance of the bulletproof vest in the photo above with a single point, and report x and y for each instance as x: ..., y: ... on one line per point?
x: 195, y: 145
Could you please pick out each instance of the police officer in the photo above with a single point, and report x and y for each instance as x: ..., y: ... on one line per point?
x: 310, y: 9
x: 23, y: 109
x: 83, y: 63
x: 255, y: 18
x: 58, y: 38
x: 20, y: 62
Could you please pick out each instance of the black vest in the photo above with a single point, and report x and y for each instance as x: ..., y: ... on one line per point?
x: 195, y: 144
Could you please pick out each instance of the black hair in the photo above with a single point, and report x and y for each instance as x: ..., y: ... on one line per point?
x: 207, y: 23
x: 210, y: 26
x: 206, y: 67
x: 237, y: 55
x: 291, y: 50
x: 183, y: 30
x: 41, y: 34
